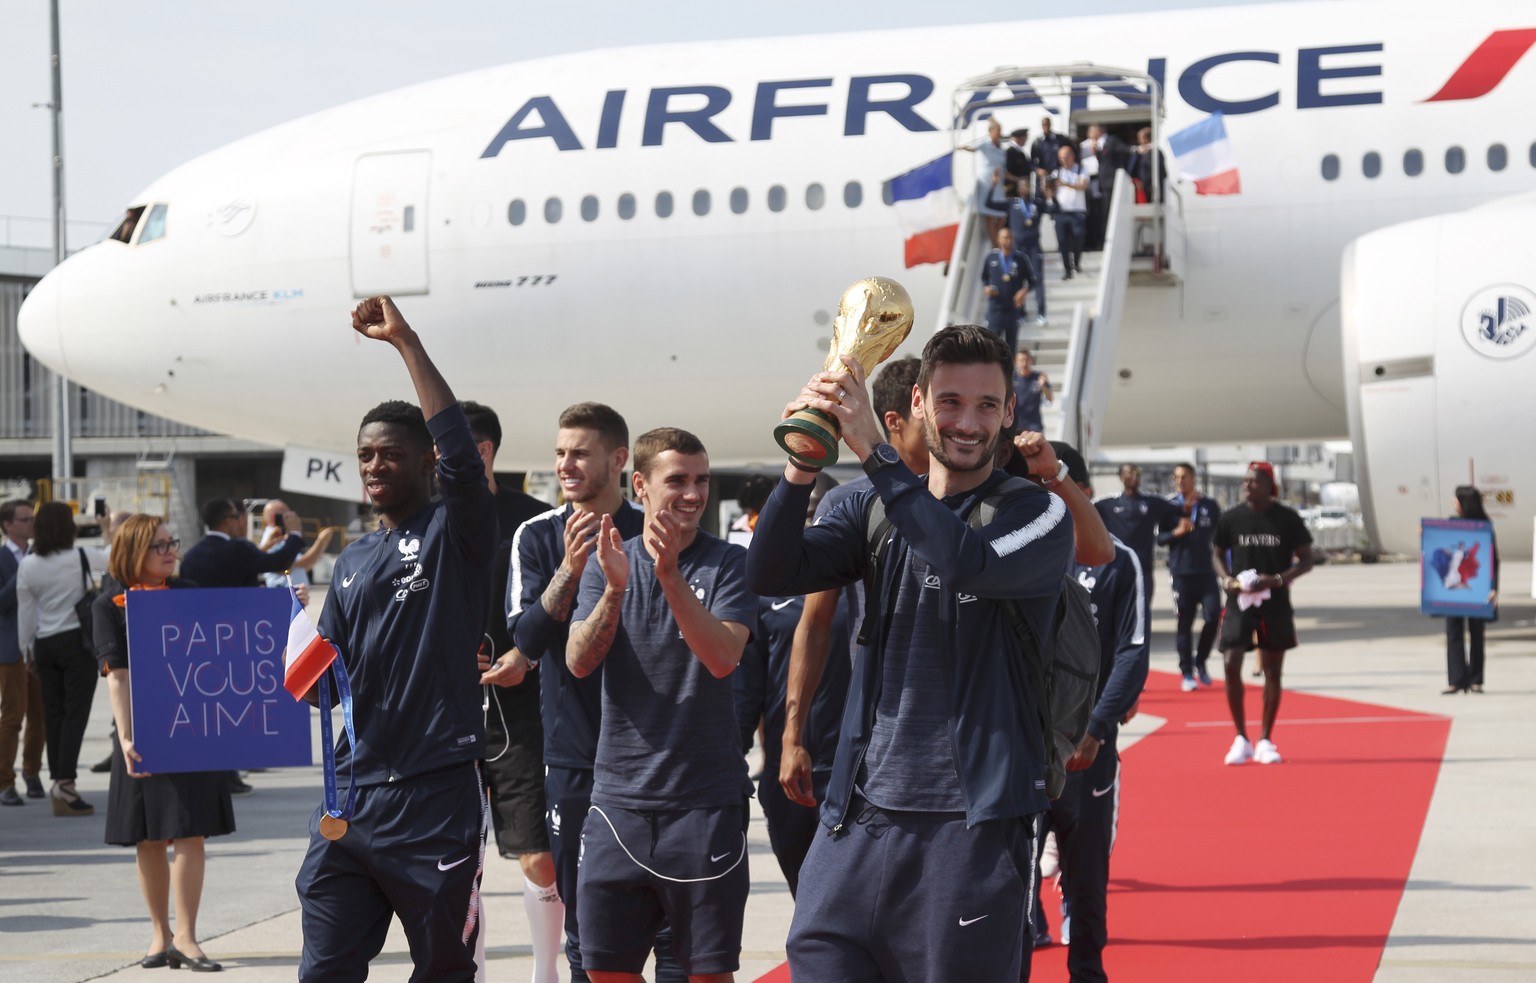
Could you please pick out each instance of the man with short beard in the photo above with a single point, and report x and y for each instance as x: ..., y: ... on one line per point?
x: 940, y: 768
x: 549, y: 554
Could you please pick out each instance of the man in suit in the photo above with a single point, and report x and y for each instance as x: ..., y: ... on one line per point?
x: 1018, y: 164
x: 225, y: 558
x: 21, y: 697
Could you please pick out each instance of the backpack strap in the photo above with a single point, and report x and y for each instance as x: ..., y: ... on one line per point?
x: 878, y: 533
x: 85, y: 569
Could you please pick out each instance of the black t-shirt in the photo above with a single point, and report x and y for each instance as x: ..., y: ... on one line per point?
x: 520, y: 703
x: 1265, y: 541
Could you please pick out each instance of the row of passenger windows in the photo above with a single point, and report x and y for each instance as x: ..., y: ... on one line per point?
x: 1497, y: 158
x: 739, y: 201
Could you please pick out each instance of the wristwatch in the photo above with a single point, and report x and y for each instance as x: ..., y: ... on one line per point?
x: 1061, y: 475
x: 881, y: 456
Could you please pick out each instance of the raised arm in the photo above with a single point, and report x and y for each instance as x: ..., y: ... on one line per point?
x: 1092, y: 543
x: 378, y: 318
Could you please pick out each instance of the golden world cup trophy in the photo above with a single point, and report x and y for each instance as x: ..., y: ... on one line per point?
x: 873, y: 319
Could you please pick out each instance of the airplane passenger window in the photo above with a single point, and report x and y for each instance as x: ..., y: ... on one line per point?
x: 552, y: 210
x: 701, y: 202
x: 1532, y: 154
x: 853, y: 194
x: 1455, y: 160
x: 408, y: 219
x: 1331, y: 167
x: 886, y: 194
x: 154, y: 225
x: 1413, y: 162
x: 589, y: 208
x: 663, y: 204
x: 776, y: 195
x: 1370, y: 164
x: 626, y: 206
x: 1498, y: 157
x: 738, y: 200
x: 815, y: 196
x: 517, y: 212
x: 124, y: 230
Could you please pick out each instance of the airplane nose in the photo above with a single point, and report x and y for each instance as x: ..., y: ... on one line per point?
x: 38, y: 324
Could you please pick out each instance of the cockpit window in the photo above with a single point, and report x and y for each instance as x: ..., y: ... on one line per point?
x: 154, y: 225
x: 124, y: 231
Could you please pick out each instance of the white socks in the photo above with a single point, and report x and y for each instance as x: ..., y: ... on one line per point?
x: 546, y: 926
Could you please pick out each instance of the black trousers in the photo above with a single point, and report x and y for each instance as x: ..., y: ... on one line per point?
x: 791, y: 826
x: 1459, y: 672
x: 68, y: 676
x: 1198, y: 594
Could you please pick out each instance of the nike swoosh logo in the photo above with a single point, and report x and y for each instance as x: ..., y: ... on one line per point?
x: 714, y: 859
x: 443, y: 866
x: 1099, y: 793
x: 782, y: 604
x: 350, y: 578
x: 971, y: 921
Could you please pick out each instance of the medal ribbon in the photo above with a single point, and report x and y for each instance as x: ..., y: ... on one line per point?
x: 328, y: 741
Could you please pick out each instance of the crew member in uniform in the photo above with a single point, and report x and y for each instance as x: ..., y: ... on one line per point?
x: 1260, y: 547
x: 406, y: 610
x: 1086, y: 816
x: 1194, y: 581
x: 1006, y: 277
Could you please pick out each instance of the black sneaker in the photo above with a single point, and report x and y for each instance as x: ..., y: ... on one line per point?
x: 102, y: 766
x: 10, y: 798
x: 34, y: 786
x: 240, y: 787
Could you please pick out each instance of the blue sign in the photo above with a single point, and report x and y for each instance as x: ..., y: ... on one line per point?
x: 1456, y: 568
x: 206, y: 680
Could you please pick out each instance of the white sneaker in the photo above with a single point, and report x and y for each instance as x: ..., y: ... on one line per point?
x: 1265, y: 753
x: 1188, y: 685
x: 1041, y: 321
x: 1066, y: 930
x: 1050, y: 858
x: 1241, y: 752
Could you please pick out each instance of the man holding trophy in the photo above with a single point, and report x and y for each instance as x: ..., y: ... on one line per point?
x: 926, y: 869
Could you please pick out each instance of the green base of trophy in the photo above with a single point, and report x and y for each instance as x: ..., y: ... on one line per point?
x: 810, y: 437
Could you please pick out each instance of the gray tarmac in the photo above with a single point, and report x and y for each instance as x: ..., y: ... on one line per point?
x: 70, y: 907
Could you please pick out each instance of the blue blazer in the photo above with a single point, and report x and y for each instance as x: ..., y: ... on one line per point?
x: 10, y: 644
x: 218, y: 562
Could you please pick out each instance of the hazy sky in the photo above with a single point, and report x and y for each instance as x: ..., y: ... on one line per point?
x: 150, y: 84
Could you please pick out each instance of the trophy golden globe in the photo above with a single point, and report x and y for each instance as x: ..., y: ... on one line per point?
x: 873, y: 319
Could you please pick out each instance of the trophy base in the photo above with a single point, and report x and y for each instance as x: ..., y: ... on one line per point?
x: 810, y: 437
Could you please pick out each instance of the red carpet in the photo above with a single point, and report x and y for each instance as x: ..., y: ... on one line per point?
x: 1260, y: 873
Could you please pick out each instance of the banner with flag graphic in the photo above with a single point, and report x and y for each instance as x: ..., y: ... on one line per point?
x: 1205, y: 155
x: 928, y: 209
x: 308, y: 655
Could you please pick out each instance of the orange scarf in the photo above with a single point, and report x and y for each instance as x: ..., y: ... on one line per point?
x: 121, y: 600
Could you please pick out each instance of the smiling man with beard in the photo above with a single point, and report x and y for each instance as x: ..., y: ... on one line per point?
x: 940, y: 770
x: 666, y: 616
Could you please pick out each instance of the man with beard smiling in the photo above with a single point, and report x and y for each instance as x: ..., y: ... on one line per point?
x: 406, y: 609
x: 549, y: 554
x: 666, y: 615
x: 940, y: 770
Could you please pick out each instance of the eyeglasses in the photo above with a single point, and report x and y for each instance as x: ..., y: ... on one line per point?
x: 166, y: 546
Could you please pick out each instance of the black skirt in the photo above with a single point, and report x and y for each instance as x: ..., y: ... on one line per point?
x: 166, y: 807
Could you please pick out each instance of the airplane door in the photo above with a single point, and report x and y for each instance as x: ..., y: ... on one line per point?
x: 389, y: 223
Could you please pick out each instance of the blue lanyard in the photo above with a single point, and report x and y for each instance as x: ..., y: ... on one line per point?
x: 1002, y: 261
x: 328, y: 741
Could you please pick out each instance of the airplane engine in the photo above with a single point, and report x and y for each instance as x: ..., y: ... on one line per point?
x: 1439, y: 323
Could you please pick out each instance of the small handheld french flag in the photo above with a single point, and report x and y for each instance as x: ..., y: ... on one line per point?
x: 929, y: 212
x: 1204, y: 154
x: 308, y: 655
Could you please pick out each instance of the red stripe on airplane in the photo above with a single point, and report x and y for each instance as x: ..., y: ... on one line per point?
x: 1487, y: 66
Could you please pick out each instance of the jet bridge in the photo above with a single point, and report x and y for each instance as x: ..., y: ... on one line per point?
x: 1144, y: 241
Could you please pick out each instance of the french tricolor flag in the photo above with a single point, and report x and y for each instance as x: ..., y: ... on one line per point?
x: 308, y: 655
x: 1205, y: 155
x: 929, y: 211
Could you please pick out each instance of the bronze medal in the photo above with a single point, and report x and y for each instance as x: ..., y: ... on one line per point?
x: 332, y: 828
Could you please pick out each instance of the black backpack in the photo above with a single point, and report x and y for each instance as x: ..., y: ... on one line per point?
x: 1067, y: 674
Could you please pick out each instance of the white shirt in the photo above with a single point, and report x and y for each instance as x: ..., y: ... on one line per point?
x: 19, y: 552
x: 1069, y: 199
x: 47, y: 588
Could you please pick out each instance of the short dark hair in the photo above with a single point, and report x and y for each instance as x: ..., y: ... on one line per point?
x: 653, y: 442
x: 892, y: 391
x: 1077, y: 468
x: 600, y: 417
x: 8, y: 509
x: 399, y: 413
x: 484, y: 424
x: 755, y: 491
x: 216, y: 510
x: 964, y: 344
x: 1187, y: 467
x: 55, y: 529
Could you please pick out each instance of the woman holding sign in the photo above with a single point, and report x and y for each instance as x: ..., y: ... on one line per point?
x: 1463, y: 676
x: 148, y: 811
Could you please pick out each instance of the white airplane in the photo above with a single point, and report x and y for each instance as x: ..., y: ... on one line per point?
x: 666, y: 229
